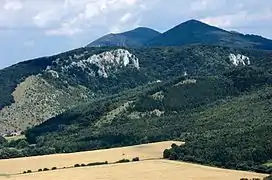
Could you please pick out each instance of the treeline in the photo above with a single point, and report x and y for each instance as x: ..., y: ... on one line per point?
x: 21, y: 148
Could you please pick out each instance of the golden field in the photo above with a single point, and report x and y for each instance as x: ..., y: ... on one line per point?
x: 152, y: 166
x: 151, y: 170
x: 145, y: 151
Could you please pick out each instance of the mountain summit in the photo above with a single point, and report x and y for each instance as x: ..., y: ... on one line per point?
x: 134, y: 38
x: 197, y: 32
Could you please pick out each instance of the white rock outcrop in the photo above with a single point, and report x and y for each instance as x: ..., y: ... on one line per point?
x: 105, y: 62
x: 239, y: 59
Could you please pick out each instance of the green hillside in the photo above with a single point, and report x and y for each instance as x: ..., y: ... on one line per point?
x: 51, y: 85
x: 208, y: 113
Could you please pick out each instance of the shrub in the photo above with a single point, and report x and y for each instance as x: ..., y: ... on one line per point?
x: 54, y: 168
x: 28, y: 171
x: 24, y: 172
x: 83, y: 165
x: 77, y: 165
x: 45, y: 169
x: 39, y: 170
x: 166, y: 154
x: 97, y: 163
x: 136, y: 159
x: 123, y: 161
x: 22, y: 144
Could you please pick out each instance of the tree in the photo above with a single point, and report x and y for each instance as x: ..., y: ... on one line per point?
x: 22, y: 144
x: 166, y: 153
x: 2, y: 140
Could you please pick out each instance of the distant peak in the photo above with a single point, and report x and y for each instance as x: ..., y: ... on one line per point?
x: 142, y: 28
x: 193, y: 21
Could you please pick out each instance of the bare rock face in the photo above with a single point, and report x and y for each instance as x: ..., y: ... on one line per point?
x: 101, y: 65
x: 239, y: 59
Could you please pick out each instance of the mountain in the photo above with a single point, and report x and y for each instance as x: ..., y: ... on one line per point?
x: 37, y: 90
x: 215, y: 98
x: 133, y: 38
x: 196, y: 32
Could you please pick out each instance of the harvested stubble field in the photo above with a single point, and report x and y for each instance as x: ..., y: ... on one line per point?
x: 144, y: 151
x: 155, y: 168
x: 152, y: 169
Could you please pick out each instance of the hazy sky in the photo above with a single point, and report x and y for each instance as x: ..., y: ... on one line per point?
x: 33, y: 28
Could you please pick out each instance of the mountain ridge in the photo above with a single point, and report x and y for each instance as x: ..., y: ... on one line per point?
x: 133, y: 38
x: 197, y: 32
x: 187, y: 33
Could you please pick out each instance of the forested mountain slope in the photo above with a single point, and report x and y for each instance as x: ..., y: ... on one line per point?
x: 93, y: 98
x: 196, y: 32
x: 45, y: 87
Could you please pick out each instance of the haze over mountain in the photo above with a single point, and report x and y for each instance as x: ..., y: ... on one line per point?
x: 134, y: 38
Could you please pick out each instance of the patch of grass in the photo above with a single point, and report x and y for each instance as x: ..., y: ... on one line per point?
x: 269, y: 164
x: 15, y: 138
x: 4, y: 175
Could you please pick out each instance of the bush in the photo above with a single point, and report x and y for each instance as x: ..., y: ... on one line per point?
x: 123, y: 161
x: 2, y: 140
x: 97, y: 163
x: 77, y: 165
x: 166, y: 154
x: 24, y: 172
x: 136, y: 159
x: 22, y: 144
x: 28, y: 171
x: 45, y: 169
x: 39, y: 170
x: 83, y: 165
x: 54, y: 168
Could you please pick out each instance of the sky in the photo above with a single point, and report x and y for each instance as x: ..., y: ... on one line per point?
x: 35, y: 28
